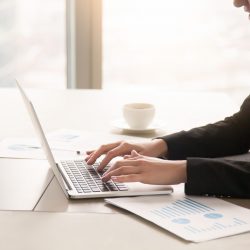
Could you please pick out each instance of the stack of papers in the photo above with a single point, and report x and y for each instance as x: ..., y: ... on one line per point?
x: 194, y: 219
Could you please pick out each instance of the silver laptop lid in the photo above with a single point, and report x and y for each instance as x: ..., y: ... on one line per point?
x: 38, y: 128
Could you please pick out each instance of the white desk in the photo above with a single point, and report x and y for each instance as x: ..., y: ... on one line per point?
x: 16, y: 177
x: 93, y: 111
x: 52, y: 231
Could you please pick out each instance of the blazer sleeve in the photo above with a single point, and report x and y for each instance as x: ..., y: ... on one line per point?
x: 218, y: 177
x: 227, y: 137
x: 199, y: 146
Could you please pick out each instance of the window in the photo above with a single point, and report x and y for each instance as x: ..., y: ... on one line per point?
x: 179, y: 45
x: 32, y: 43
x: 190, y: 45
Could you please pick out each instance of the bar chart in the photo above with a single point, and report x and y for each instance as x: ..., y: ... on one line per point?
x: 196, y: 218
x: 181, y: 208
x: 192, y: 218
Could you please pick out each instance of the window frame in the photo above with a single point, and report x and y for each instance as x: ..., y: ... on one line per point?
x: 84, y: 43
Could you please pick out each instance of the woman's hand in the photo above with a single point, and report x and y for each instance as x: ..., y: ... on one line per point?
x: 154, y: 148
x: 150, y: 170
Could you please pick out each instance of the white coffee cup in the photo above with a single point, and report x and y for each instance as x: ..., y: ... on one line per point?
x: 138, y: 115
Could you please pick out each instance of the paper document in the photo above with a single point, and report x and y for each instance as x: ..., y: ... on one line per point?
x: 22, y: 148
x: 63, y: 142
x: 194, y: 219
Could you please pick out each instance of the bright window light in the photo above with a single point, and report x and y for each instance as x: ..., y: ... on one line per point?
x: 190, y: 45
x: 32, y: 43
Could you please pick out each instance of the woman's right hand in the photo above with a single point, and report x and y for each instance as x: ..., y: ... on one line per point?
x: 154, y: 148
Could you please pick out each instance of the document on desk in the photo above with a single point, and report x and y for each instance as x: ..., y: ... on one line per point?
x: 194, y: 219
x: 63, y: 142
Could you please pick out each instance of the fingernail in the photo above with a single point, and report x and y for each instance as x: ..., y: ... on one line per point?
x: 104, y: 178
x: 114, y: 178
x: 246, y: 8
x: 89, y: 161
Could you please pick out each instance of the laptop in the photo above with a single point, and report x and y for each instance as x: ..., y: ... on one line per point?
x: 79, y: 180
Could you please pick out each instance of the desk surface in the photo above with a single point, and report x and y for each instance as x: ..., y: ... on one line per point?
x: 93, y: 111
x: 22, y: 182
x: 22, y: 231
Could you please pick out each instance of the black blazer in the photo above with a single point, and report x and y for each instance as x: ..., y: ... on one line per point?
x: 200, y: 146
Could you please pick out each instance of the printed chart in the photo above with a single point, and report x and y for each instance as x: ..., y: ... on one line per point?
x: 197, y: 218
x: 192, y: 218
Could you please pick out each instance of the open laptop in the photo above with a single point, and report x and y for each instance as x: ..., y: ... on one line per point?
x: 79, y: 180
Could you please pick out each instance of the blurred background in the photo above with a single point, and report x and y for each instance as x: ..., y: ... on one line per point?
x: 174, y: 45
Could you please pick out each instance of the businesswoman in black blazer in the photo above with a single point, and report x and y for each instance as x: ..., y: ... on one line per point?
x: 190, y: 157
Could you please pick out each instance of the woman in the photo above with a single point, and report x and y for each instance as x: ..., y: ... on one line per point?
x: 189, y: 157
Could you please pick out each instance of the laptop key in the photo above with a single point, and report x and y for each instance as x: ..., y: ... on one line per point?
x: 95, y: 189
x: 112, y: 188
x: 87, y: 191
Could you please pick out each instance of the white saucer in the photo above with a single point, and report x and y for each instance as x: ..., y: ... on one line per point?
x: 121, y: 124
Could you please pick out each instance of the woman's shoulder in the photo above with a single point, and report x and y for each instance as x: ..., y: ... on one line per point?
x: 246, y: 105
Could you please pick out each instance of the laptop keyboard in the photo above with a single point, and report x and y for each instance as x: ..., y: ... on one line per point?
x: 87, y: 179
